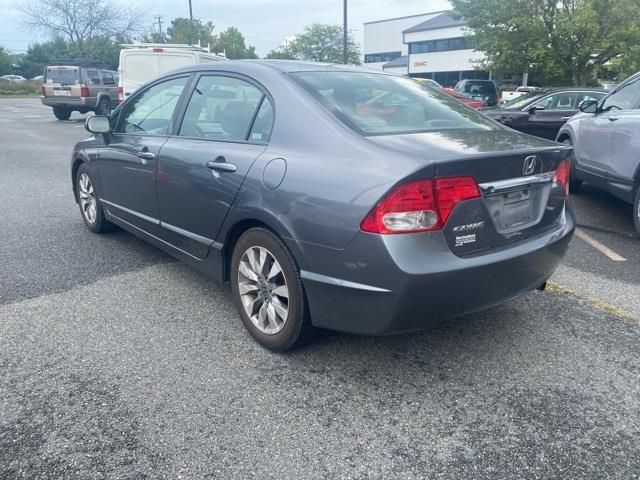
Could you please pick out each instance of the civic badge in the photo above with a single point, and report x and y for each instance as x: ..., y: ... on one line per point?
x: 530, y: 164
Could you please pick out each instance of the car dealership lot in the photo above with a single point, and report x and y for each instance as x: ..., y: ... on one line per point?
x: 119, y: 361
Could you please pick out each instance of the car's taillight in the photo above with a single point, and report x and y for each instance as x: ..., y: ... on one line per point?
x: 84, y: 90
x: 419, y: 206
x: 562, y: 175
x: 120, y: 95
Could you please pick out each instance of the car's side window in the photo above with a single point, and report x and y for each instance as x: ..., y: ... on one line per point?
x: 150, y: 111
x: 107, y: 79
x: 221, y: 108
x: 627, y: 98
x: 263, y: 124
x: 589, y: 96
x: 93, y: 77
x: 559, y: 101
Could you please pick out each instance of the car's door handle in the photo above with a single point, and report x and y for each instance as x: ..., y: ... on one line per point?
x: 564, y: 119
x: 613, y: 119
x: 221, y: 165
x: 145, y: 156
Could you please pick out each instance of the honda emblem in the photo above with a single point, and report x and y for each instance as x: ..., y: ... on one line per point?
x: 529, y: 165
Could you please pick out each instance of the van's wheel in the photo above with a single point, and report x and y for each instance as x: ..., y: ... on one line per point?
x: 62, y: 113
x: 104, y: 107
x: 636, y: 211
x: 89, y: 203
x: 268, y: 291
x: 575, y: 184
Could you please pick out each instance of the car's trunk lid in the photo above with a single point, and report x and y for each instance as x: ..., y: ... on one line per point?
x: 515, y: 174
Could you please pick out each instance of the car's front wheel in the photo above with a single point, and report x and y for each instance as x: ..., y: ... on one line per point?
x: 268, y: 291
x: 89, y: 203
x: 62, y: 113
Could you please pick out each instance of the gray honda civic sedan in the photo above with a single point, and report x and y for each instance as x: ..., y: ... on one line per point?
x: 328, y: 196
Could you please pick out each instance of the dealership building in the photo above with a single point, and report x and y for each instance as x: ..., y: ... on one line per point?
x: 434, y: 45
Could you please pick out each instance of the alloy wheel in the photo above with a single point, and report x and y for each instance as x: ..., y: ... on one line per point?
x: 263, y: 290
x: 88, y: 203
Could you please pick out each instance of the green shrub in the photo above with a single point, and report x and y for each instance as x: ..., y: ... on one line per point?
x: 8, y: 88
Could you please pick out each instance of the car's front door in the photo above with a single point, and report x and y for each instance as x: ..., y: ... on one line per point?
x: 128, y: 161
x: 553, y: 111
x: 225, y: 127
x: 623, y: 112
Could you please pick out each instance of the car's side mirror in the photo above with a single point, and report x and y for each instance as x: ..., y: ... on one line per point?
x: 535, y: 108
x: 98, y: 124
x: 588, y: 106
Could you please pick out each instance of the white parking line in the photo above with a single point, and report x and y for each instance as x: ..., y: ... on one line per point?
x: 599, y: 246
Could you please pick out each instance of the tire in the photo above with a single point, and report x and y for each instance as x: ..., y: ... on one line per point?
x: 104, y: 107
x: 636, y: 211
x: 575, y: 184
x: 268, y: 293
x: 91, y: 209
x: 62, y: 113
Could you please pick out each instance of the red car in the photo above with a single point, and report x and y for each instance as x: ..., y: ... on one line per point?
x: 427, y: 82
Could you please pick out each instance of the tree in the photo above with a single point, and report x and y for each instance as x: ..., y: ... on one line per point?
x: 231, y: 42
x: 561, y: 41
x: 78, y: 21
x: 6, y: 62
x: 183, y: 30
x: 323, y: 43
x: 283, y: 52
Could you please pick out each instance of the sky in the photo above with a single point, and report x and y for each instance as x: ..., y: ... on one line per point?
x: 264, y: 23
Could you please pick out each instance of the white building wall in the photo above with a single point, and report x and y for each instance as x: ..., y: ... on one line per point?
x: 436, y: 34
x: 455, y: 60
x: 386, y: 35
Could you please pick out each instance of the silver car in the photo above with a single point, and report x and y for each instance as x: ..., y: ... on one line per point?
x: 606, y: 144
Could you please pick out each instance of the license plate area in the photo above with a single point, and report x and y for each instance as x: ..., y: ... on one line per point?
x: 62, y: 93
x: 517, y: 209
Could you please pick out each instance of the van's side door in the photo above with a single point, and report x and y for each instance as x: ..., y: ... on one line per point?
x: 226, y: 125
x: 127, y: 164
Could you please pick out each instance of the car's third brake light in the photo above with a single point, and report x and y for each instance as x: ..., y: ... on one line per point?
x: 562, y: 175
x: 419, y: 206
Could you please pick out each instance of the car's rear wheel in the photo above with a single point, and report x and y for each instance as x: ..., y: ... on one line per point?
x: 104, y: 107
x: 575, y: 184
x: 62, y: 113
x: 90, y: 207
x: 268, y: 291
x: 636, y: 211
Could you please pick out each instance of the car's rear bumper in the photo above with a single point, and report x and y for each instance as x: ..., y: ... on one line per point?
x: 384, y: 284
x: 70, y: 102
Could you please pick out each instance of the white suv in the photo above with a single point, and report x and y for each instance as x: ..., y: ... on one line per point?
x: 606, y: 144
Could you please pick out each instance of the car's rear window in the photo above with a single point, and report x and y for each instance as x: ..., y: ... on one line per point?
x: 62, y: 75
x: 377, y: 104
x: 477, y: 87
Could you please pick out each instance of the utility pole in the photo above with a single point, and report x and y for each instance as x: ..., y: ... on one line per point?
x: 190, y: 12
x: 345, y: 35
x: 159, y: 19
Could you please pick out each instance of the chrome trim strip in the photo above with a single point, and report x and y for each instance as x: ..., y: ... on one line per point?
x: 338, y: 282
x: 155, y: 221
x: 518, y: 182
x: 186, y: 233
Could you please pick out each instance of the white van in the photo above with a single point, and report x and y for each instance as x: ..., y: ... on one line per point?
x: 141, y: 62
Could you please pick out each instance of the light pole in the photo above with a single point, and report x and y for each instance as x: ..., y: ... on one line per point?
x: 190, y: 12
x: 345, y: 35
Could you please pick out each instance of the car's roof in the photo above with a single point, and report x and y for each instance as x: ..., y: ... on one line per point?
x: 285, y: 66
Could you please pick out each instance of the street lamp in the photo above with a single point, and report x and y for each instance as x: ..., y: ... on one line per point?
x: 190, y: 12
x: 345, y: 34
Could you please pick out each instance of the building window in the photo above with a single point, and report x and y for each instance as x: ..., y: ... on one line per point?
x: 446, y: 45
x: 381, y: 57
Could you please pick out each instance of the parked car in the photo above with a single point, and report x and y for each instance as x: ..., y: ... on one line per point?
x: 543, y: 113
x: 606, y: 143
x: 141, y: 62
x: 69, y: 88
x: 321, y: 208
x: 507, y: 95
x: 483, y: 90
x: 38, y: 78
x: 427, y: 82
x: 13, y: 78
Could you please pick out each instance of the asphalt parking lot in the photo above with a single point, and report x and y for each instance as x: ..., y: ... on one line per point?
x: 118, y: 362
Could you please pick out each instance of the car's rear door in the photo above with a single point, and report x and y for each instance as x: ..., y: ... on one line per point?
x: 557, y: 108
x: 128, y: 161
x: 226, y: 124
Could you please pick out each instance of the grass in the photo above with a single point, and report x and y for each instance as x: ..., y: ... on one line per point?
x: 19, y: 89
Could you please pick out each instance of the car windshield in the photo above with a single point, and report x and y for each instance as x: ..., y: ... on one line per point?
x: 522, y: 100
x: 477, y: 87
x: 62, y: 75
x: 376, y: 104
